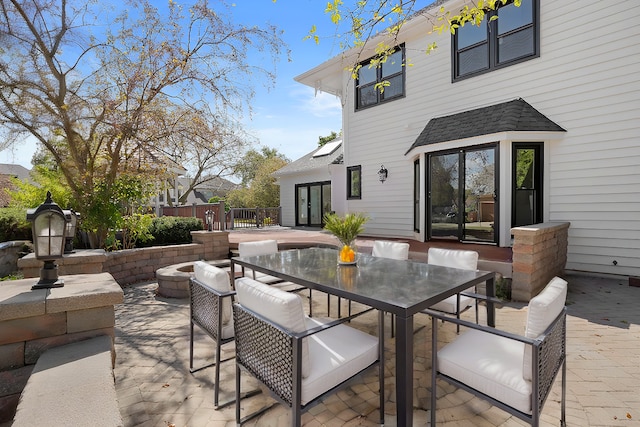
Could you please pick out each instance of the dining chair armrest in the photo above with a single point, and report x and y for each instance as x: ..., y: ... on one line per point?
x: 328, y: 325
x: 435, y: 315
x: 213, y: 290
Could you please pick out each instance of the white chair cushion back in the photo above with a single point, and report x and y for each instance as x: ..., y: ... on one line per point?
x: 280, y: 307
x: 466, y: 260
x: 543, y: 309
x: 217, y: 279
x: 262, y: 247
x: 393, y: 250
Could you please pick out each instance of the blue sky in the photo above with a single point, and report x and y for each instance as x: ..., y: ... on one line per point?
x: 289, y: 116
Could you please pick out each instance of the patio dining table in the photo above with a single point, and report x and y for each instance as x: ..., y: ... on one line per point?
x: 402, y: 288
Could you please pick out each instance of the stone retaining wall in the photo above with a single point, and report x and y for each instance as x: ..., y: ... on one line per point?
x: 539, y: 254
x: 135, y: 265
x: 10, y: 252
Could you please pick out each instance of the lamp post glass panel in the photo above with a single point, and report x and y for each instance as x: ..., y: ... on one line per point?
x: 49, y: 225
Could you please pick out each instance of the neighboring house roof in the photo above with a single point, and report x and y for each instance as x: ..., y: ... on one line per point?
x: 203, y: 192
x: 330, y: 153
x: 511, y: 116
x: 16, y: 171
x: 8, y: 171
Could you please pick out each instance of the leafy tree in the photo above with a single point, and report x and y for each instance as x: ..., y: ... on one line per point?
x: 322, y: 140
x: 207, y: 149
x: 358, y: 22
x: 102, y: 86
x: 249, y: 164
x: 262, y: 190
x: 30, y: 195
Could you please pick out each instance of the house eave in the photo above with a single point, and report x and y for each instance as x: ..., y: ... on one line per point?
x: 513, y: 136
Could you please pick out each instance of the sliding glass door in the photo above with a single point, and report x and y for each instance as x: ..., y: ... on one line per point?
x: 462, y: 194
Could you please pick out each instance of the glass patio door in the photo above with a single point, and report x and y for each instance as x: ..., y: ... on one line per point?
x: 462, y: 195
x: 312, y: 202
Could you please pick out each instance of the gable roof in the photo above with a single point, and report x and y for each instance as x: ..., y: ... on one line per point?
x: 14, y: 170
x: 511, y: 116
x: 312, y: 161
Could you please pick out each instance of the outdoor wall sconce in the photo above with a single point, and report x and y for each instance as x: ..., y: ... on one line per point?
x: 49, y: 225
x: 209, y: 217
x: 383, y: 173
x: 70, y: 233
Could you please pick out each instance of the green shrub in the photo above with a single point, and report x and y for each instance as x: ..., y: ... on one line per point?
x: 172, y: 230
x: 14, y: 225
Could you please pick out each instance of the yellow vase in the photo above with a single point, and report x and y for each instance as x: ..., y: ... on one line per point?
x: 347, y: 255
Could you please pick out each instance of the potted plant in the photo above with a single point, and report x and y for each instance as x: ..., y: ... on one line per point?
x: 346, y: 228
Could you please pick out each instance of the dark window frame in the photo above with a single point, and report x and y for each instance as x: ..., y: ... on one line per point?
x: 380, y: 97
x: 492, y: 41
x: 351, y: 170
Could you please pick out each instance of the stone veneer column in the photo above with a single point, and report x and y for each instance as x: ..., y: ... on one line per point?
x: 32, y: 321
x: 216, y: 243
x: 539, y: 254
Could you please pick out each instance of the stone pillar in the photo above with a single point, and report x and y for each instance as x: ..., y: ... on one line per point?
x: 32, y: 321
x: 539, y: 254
x: 215, y: 244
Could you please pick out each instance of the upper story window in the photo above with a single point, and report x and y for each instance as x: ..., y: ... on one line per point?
x: 513, y: 37
x: 391, y: 71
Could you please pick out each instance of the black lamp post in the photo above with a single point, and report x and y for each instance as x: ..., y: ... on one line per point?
x: 70, y: 232
x: 49, y: 225
x: 209, y: 218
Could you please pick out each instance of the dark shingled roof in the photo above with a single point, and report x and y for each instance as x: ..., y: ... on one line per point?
x: 516, y: 115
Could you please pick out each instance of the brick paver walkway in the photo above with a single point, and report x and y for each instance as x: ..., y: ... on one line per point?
x: 155, y: 387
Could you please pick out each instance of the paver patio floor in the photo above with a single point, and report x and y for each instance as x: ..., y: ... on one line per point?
x: 155, y: 387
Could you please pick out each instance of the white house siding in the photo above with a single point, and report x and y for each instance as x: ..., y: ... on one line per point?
x: 288, y: 195
x: 587, y: 80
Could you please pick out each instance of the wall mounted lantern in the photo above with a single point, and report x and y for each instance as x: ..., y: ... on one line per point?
x: 49, y: 224
x: 383, y: 173
x: 209, y: 218
x: 70, y: 233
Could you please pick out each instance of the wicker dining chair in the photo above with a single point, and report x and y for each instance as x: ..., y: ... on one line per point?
x: 513, y: 372
x: 299, y: 359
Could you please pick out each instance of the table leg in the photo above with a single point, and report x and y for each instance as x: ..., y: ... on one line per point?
x: 491, y: 310
x: 404, y: 370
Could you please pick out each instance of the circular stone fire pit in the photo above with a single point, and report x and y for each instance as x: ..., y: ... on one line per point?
x: 173, y: 280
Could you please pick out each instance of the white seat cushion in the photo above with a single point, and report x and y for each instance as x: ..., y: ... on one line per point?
x: 335, y: 355
x: 393, y: 250
x: 280, y: 307
x: 219, y: 280
x: 490, y: 364
x: 543, y: 309
x: 450, y: 304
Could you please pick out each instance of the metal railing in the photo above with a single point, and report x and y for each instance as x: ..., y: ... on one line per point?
x: 236, y: 218
x: 253, y: 217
